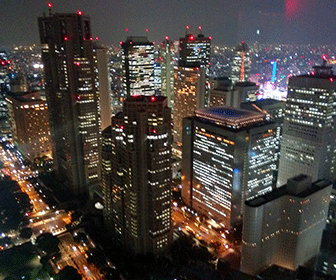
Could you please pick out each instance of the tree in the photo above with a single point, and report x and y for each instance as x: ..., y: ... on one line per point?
x: 48, y: 243
x: 26, y: 233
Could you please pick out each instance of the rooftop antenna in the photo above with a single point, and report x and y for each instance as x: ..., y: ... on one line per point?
x: 200, y: 29
x: 147, y: 32
x: 187, y: 29
x: 50, y: 6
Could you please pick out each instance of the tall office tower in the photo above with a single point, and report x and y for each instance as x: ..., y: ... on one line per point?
x: 227, y: 158
x: 195, y: 52
x: 219, y: 90
x: 241, y: 65
x: 138, y: 63
x: 4, y: 89
x: 276, y: 109
x: 72, y: 97
x: 102, y: 84
x: 284, y: 227
x: 167, y: 70
x: 189, y: 94
x: 157, y: 75
x: 140, y: 192
x: 106, y: 175
x: 29, y: 122
x: 308, y: 141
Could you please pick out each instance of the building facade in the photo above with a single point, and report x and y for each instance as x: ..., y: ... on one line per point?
x: 195, y: 53
x: 228, y: 157
x: 284, y: 227
x: 138, y: 200
x: 29, y: 122
x: 138, y: 66
x: 72, y: 97
x: 308, y: 142
x: 167, y: 70
x: 189, y: 94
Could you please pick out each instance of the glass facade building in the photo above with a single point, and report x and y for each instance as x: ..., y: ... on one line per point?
x: 308, y: 142
x: 138, y: 66
x: 72, y: 97
x: 228, y: 156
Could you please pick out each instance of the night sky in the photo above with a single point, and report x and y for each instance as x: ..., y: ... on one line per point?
x: 279, y: 21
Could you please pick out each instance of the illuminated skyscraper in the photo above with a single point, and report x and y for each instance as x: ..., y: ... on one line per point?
x: 195, y: 53
x: 72, y: 97
x: 29, y: 122
x: 167, y: 70
x: 284, y: 227
x: 102, y: 84
x: 308, y: 141
x: 241, y: 65
x: 189, y: 94
x: 4, y: 89
x: 228, y: 157
x: 138, y: 200
x: 138, y: 63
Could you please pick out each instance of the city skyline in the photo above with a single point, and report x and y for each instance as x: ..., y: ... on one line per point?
x: 290, y: 21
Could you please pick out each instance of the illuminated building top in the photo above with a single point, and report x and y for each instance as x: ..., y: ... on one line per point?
x: 231, y: 117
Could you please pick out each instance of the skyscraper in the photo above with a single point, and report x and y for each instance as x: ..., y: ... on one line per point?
x: 284, y: 227
x: 195, y: 53
x: 308, y: 141
x: 139, y: 197
x: 102, y: 84
x: 29, y: 122
x: 72, y: 97
x: 4, y: 89
x: 241, y: 65
x: 138, y: 66
x: 167, y: 70
x: 189, y: 94
x: 228, y: 157
x: 191, y: 82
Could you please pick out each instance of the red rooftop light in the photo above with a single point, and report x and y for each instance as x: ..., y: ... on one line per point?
x: 324, y: 57
x: 331, y: 79
x: 77, y: 63
x: 49, y: 5
x: 65, y: 38
x: 97, y: 38
x: 187, y: 26
x: 191, y: 37
x: 210, y: 37
x: 153, y: 98
x: 2, y: 62
x: 91, y: 38
x: 167, y: 38
x: 79, y: 12
x: 146, y: 29
x: 120, y: 43
x: 313, y: 73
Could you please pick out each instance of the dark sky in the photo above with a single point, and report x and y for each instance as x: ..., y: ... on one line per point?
x: 279, y: 21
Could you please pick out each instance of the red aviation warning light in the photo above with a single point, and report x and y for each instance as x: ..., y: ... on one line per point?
x: 210, y: 38
x: 153, y: 98
x: 167, y: 38
x: 65, y: 38
x: 191, y: 37
x: 79, y: 12
x: 331, y: 79
x: 49, y: 5
x: 187, y: 27
x: 97, y: 38
x: 324, y: 57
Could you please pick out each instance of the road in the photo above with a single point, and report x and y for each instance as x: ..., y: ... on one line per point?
x: 44, y: 219
x: 201, y: 231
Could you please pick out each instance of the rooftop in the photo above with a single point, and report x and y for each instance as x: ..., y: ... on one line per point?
x: 138, y: 40
x: 283, y: 190
x: 231, y: 117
